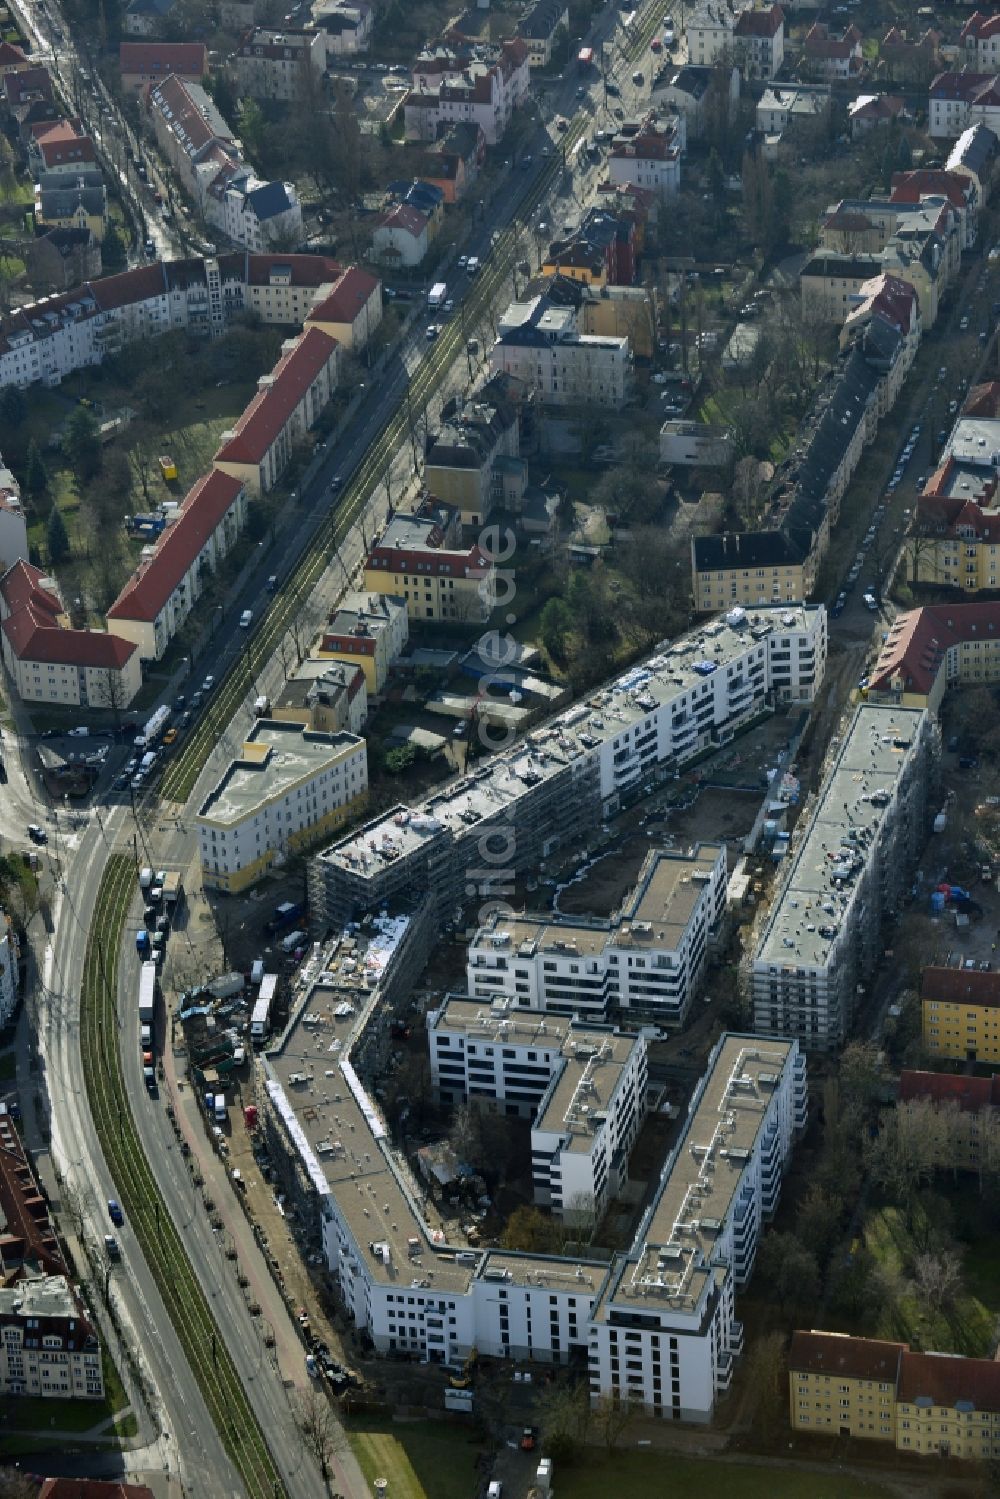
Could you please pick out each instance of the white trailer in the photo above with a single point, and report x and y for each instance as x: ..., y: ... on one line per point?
x: 153, y: 728
x: 438, y: 294
x: 260, y: 1019
x: 147, y: 992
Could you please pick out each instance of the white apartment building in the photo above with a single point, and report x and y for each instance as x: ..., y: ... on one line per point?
x: 345, y: 25
x: 288, y: 787
x: 13, y: 522
x: 691, y: 695
x: 253, y: 213
x: 8, y: 970
x: 167, y: 585
x: 659, y: 1324
x: 646, y: 960
x: 272, y: 64
x: 48, y: 1348
x: 850, y: 867
x: 483, y: 89
x: 663, y: 1333
x: 649, y: 157
x: 709, y: 30
x: 50, y: 339
x: 539, y: 344
x: 47, y: 661
x: 956, y: 101
x: 583, y: 1086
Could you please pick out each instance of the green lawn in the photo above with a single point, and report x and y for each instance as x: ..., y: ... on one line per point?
x: 966, y: 1327
x: 57, y: 1415
x: 421, y: 1459
x: 657, y: 1475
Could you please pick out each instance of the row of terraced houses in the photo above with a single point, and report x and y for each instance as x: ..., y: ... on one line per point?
x: 337, y: 309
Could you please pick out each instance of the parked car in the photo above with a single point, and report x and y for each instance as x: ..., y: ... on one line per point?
x: 114, y: 1211
x: 37, y: 834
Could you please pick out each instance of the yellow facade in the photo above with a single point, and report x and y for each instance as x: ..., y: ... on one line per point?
x: 751, y: 587
x: 299, y: 842
x: 842, y: 1405
x: 940, y: 1429
x: 436, y: 598
x: 954, y: 561
x: 963, y: 1031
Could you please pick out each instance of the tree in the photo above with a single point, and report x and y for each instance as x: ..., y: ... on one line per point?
x: 109, y: 692
x: 400, y: 759
x: 938, y: 1278
x: 789, y: 1270
x: 56, y: 537
x: 817, y: 1220
x: 36, y: 480
x: 532, y: 1231
x: 13, y: 405
x: 321, y: 1432
x: 715, y: 180
x: 766, y: 1382
x: 612, y: 1417
x: 860, y: 1080
x: 82, y: 443
x: 555, y: 624
x: 564, y: 1417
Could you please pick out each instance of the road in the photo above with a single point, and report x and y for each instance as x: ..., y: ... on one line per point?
x: 189, y: 1441
x: 191, y: 1444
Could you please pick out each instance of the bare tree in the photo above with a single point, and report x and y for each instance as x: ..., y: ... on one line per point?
x: 321, y: 1432
x: 938, y: 1277
x: 141, y: 463
x: 109, y: 691
x: 612, y: 1418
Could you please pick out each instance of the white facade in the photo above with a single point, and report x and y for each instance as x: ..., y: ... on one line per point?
x: 850, y: 868
x: 656, y: 168
x: 246, y: 214
x: 647, y: 959
x: 290, y: 786
x: 48, y: 1349
x: 453, y: 88
x: 708, y: 30
x: 8, y: 972
x: 272, y: 64
x: 401, y: 238
x: 345, y: 26
x: 663, y: 1334
x: 583, y: 1085
x: 539, y: 344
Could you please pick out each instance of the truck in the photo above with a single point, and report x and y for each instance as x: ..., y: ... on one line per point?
x: 173, y: 889
x: 261, y: 1017
x: 284, y: 915
x: 438, y: 294
x: 293, y: 940
x: 142, y: 943
x: 262, y: 706
x: 153, y: 728
x: 145, y: 878
x: 147, y: 992
x: 220, y: 1108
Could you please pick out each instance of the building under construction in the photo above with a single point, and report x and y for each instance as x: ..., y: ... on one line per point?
x: 851, y: 865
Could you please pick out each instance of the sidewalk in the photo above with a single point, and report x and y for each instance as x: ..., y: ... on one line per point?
x: 288, y: 1352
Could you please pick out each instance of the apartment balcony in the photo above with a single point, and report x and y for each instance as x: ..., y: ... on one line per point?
x: 724, y: 1372
x: 736, y: 1338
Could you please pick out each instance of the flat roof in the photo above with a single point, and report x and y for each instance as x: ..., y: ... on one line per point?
x: 581, y: 1086
x: 275, y: 758
x: 671, y: 1261
x: 337, y: 1127
x: 551, y: 1271
x: 805, y: 918
x: 672, y: 669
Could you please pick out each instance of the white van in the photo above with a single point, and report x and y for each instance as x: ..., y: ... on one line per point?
x: 472, y: 265
x: 294, y: 940
x: 246, y: 619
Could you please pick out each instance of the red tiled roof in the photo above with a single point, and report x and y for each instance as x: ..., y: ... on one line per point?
x: 190, y: 59
x: 127, y: 287
x: 980, y: 27
x: 955, y: 986
x: 11, y: 56
x: 404, y: 216
x: 271, y: 407
x: 948, y: 1379
x: 173, y: 100
x: 910, y: 187
x: 971, y: 1094
x: 760, y: 22
x: 29, y: 81
x: 960, y: 86
x: 307, y: 270
x: 347, y: 298
x: 853, y: 1358
x: 34, y: 633
x: 983, y: 400
x: 915, y: 647
x: 23, y: 1209
x: 146, y: 592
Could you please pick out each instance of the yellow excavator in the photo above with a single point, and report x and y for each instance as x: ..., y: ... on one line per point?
x: 463, y: 1379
